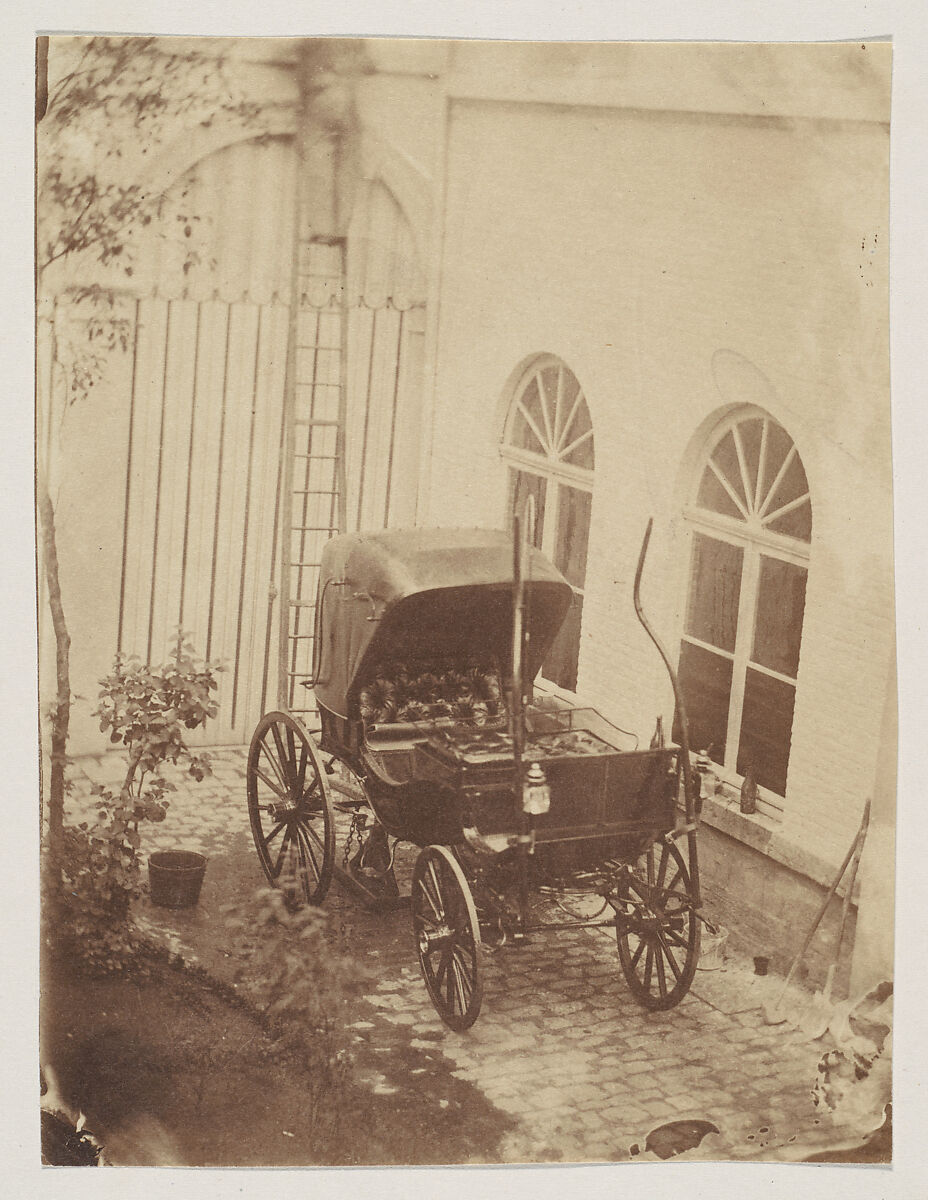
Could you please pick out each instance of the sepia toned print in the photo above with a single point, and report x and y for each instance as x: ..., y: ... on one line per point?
x: 467, y: 642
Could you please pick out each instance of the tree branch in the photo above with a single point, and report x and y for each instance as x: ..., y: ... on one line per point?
x: 62, y: 709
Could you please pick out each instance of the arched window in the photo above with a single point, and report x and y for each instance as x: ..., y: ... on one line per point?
x: 548, y: 445
x: 751, y: 525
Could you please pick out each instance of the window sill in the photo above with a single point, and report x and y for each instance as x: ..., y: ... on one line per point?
x: 768, y: 837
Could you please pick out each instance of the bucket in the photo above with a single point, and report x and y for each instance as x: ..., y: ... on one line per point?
x: 176, y: 877
x: 712, y: 950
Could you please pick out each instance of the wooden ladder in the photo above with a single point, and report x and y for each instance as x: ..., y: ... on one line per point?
x: 313, y: 501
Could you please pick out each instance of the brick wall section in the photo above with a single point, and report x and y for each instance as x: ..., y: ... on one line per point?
x: 681, y: 263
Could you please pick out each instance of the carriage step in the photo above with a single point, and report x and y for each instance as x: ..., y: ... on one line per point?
x: 370, y: 899
x: 349, y: 806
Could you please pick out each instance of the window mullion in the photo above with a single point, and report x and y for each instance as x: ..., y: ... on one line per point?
x: 549, y: 529
x: 744, y: 641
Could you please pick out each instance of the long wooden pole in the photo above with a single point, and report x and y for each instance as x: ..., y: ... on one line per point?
x: 286, y: 473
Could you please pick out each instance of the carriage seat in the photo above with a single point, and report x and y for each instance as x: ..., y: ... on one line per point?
x: 434, y: 692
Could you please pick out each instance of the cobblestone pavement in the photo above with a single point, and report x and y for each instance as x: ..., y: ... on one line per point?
x: 560, y: 1045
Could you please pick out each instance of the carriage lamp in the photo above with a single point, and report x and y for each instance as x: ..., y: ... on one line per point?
x: 536, y: 795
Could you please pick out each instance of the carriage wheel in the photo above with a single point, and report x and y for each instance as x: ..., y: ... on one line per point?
x: 288, y: 805
x: 659, y: 946
x: 444, y: 921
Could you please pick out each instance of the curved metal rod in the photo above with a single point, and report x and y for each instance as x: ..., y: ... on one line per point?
x: 517, y: 716
x: 689, y: 798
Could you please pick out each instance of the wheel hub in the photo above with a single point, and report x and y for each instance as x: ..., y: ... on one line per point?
x: 283, y: 810
x: 434, y: 939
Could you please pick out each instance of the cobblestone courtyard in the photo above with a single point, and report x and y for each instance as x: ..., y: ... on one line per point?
x: 560, y: 1046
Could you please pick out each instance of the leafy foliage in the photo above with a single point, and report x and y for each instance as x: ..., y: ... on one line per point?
x: 149, y: 711
x: 294, y: 970
x: 119, y: 101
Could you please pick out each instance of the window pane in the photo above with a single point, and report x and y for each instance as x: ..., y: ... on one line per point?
x: 560, y: 666
x: 549, y: 377
x: 781, y: 602
x: 779, y: 444
x: 766, y: 729
x: 705, y: 679
x: 715, y: 589
x: 582, y: 454
x: 573, y: 534
x: 569, y: 389
x: 797, y: 523
x: 523, y: 436
x: 521, y: 485
x: 750, y: 433
x: 531, y: 402
x: 713, y: 496
x: 792, y: 485
x: 580, y: 427
x: 726, y: 459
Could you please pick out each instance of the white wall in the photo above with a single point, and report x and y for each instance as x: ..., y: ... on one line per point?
x: 637, y: 246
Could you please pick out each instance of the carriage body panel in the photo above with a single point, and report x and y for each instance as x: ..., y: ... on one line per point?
x: 605, y: 800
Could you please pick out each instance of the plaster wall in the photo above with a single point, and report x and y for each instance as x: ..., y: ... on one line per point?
x: 681, y: 263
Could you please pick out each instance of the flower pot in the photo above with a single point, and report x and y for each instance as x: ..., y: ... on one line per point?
x: 176, y: 877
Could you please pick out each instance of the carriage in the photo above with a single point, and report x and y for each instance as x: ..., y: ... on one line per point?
x: 529, y: 811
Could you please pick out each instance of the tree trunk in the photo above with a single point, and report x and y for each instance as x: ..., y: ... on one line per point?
x: 61, y: 713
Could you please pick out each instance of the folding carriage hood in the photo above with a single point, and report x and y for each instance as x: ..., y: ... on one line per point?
x: 425, y: 593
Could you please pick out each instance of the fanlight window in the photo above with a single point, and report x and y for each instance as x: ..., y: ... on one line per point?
x: 751, y: 527
x: 548, y: 444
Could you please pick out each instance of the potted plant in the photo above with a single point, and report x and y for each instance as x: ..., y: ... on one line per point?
x: 149, y: 711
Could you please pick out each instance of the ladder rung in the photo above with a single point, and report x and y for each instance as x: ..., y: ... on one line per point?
x: 314, y: 529
x: 316, y: 457
x: 315, y: 421
x: 302, y: 603
x: 301, y: 637
x: 314, y: 492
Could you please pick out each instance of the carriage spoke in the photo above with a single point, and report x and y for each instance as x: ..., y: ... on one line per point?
x: 443, y: 964
x: 301, y: 772
x: 674, y: 937
x: 458, y: 986
x: 464, y: 969
x: 280, y: 853
x: 282, y: 756
x: 274, y: 832
x: 435, y: 907
x: 438, y: 905
x: 304, y: 880
x: 307, y: 796
x: 662, y: 870
x: 302, y: 834
x: 636, y: 957
x: 659, y: 963
x: 290, y: 759
x: 668, y: 954
x: 276, y: 790
x: 276, y: 768
x: 648, y: 966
